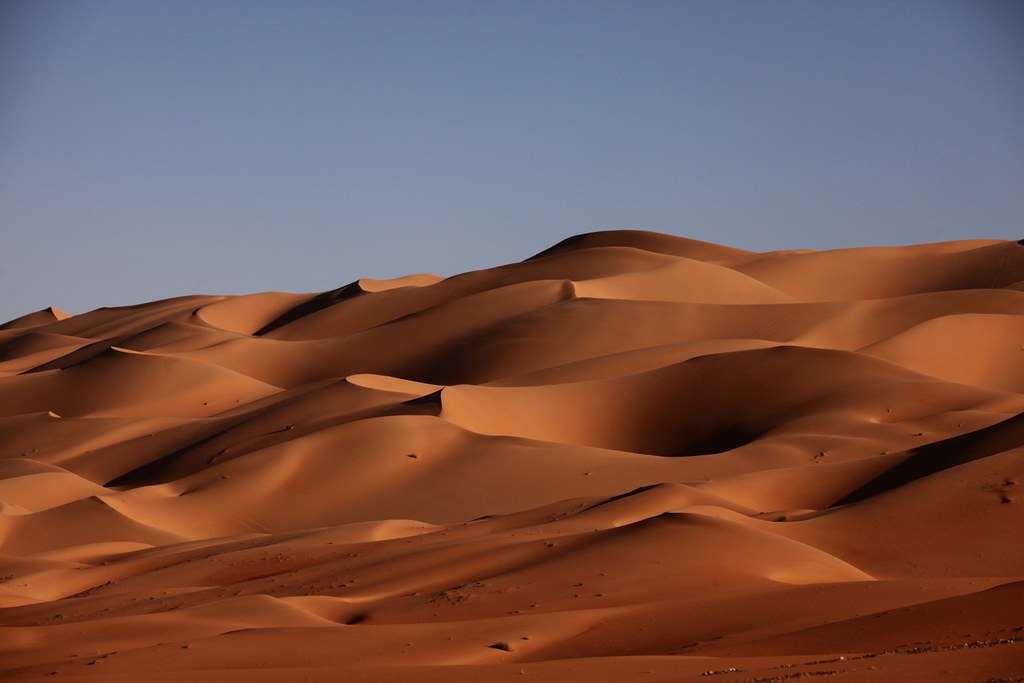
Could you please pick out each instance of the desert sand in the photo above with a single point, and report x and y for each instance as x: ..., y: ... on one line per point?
x: 632, y: 457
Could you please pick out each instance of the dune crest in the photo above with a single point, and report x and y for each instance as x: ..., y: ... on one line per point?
x: 633, y: 456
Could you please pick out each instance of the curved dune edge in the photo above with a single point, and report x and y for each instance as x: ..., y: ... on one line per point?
x: 633, y: 456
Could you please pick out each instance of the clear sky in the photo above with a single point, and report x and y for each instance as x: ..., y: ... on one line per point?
x: 156, y: 148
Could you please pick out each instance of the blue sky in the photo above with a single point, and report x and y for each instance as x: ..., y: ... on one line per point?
x: 152, y: 149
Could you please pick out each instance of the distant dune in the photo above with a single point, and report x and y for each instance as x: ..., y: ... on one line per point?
x: 633, y: 457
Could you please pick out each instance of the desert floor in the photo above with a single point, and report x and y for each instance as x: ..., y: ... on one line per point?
x: 633, y: 457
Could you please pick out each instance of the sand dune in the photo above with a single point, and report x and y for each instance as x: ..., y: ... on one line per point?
x: 631, y: 457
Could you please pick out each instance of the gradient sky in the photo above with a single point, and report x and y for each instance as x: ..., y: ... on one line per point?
x: 152, y: 149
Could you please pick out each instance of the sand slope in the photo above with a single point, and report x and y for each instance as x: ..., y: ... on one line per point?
x: 631, y: 457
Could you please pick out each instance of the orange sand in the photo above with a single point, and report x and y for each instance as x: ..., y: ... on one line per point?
x: 633, y: 457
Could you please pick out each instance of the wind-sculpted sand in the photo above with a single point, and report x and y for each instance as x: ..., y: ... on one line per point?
x: 633, y: 457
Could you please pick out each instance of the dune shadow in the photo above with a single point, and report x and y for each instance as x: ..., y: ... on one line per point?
x: 719, y: 441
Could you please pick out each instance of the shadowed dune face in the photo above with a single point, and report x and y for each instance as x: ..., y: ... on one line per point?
x: 631, y: 457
